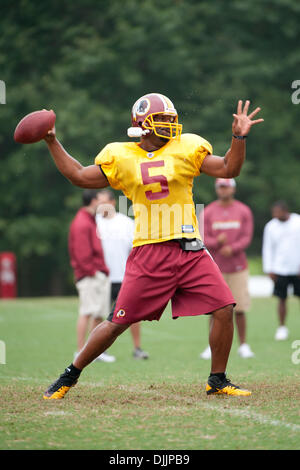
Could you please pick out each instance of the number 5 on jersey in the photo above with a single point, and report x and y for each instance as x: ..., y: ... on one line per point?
x: 161, y: 179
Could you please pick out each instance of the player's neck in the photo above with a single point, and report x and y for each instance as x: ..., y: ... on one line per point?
x: 151, y: 143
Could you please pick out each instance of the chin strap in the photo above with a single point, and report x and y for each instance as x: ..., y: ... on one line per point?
x: 137, y: 132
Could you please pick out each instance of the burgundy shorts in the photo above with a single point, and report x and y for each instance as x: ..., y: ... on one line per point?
x: 160, y: 272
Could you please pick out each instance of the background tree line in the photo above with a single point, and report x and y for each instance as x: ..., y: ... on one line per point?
x: 90, y: 60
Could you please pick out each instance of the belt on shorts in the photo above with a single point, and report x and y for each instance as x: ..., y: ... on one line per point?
x: 190, y: 244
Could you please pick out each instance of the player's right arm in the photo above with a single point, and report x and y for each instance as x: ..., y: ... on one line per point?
x: 230, y: 166
x: 83, y: 176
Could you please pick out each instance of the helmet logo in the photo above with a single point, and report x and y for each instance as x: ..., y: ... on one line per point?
x: 142, y: 107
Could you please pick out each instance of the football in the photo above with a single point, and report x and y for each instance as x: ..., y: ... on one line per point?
x: 34, y: 126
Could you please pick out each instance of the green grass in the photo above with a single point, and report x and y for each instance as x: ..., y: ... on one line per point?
x: 255, y: 266
x: 154, y: 404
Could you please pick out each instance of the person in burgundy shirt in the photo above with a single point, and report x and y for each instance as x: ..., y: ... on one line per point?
x: 90, y: 271
x: 228, y: 231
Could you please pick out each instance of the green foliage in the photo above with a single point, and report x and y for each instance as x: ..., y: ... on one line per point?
x: 90, y: 60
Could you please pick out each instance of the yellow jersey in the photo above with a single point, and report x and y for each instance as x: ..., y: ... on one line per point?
x: 159, y: 184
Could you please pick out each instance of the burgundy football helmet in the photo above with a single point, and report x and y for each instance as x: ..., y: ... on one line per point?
x: 145, y: 117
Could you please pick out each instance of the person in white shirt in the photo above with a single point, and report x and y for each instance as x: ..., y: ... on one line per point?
x: 116, y: 232
x: 281, y: 258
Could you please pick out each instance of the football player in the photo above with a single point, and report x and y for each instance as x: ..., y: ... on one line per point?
x: 169, y: 260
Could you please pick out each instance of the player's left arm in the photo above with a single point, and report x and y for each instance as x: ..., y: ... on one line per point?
x: 230, y: 165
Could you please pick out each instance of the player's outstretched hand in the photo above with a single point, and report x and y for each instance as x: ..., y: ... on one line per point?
x: 243, y: 121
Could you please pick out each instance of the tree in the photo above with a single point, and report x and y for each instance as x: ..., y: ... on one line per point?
x: 90, y: 60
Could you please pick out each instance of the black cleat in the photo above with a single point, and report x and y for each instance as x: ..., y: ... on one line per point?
x: 61, y: 386
x: 216, y: 386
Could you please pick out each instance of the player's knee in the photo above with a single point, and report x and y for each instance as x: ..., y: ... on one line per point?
x: 224, y: 314
x: 115, y: 328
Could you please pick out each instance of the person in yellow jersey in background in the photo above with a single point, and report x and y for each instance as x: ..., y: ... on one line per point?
x: 168, y: 260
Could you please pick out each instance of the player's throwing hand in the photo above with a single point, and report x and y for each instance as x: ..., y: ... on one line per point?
x: 242, y: 122
x: 50, y: 137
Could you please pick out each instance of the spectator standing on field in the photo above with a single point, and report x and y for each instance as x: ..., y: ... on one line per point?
x: 281, y: 258
x: 228, y: 231
x: 90, y: 271
x: 117, y: 233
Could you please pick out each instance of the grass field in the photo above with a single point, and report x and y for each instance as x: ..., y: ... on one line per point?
x: 154, y: 404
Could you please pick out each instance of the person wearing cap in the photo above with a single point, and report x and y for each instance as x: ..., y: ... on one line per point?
x: 228, y: 231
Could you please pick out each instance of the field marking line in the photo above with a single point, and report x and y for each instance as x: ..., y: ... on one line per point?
x: 248, y: 414
x: 58, y: 413
x: 35, y: 380
x: 252, y: 415
x: 18, y: 378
